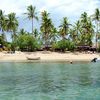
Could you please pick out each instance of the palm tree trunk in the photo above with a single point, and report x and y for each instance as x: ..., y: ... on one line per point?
x: 97, y: 36
x: 32, y: 25
x: 45, y: 40
x: 5, y: 39
x: 12, y: 33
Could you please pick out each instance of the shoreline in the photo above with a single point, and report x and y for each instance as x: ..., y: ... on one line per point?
x: 47, y: 56
x: 40, y: 62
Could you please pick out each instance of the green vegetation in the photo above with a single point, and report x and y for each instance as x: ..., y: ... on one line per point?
x: 26, y: 42
x: 65, y: 37
x: 31, y: 14
x: 46, y: 28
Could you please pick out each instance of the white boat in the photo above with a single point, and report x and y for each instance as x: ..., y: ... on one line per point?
x: 33, y: 58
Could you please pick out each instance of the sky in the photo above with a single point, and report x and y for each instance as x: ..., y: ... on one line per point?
x: 57, y: 9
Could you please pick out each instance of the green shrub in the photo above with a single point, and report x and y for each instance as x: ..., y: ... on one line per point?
x: 63, y: 45
x: 27, y: 42
x: 71, y: 46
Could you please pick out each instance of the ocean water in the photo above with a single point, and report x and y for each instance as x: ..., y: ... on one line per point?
x: 49, y: 81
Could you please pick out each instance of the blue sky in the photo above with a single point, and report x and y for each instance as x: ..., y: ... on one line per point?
x: 57, y: 9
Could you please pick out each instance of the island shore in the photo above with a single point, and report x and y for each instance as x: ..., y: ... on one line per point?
x: 48, y: 56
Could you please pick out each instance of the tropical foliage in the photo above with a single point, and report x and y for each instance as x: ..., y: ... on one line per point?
x: 31, y: 14
x: 65, y: 37
x: 64, y: 28
x: 46, y: 28
x: 96, y: 18
x: 26, y: 42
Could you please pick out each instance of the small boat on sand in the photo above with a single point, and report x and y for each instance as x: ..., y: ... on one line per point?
x: 33, y: 58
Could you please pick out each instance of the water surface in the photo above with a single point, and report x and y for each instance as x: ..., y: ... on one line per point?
x: 49, y: 81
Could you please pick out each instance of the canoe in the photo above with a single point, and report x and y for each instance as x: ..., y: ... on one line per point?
x: 33, y: 58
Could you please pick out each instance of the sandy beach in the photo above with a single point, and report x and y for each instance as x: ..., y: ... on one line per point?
x: 48, y: 56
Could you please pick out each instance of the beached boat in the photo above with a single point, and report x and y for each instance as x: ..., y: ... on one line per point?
x: 33, y: 58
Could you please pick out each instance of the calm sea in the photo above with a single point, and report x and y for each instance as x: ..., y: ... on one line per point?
x: 49, y: 81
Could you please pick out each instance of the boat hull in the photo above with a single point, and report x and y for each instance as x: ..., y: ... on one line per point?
x: 30, y: 58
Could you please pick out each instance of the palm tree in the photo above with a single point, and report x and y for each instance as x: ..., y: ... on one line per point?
x: 12, y: 24
x: 64, y: 27
x: 89, y: 32
x: 31, y: 14
x: 22, y: 31
x: 46, y: 27
x: 84, y: 17
x: 86, y: 30
x: 1, y: 20
x: 54, y: 35
x: 77, y: 26
x: 35, y: 33
x: 3, y: 24
x: 75, y: 32
x: 96, y: 18
x: 83, y: 27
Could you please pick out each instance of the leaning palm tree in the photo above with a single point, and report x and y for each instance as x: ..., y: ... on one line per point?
x: 96, y: 18
x: 31, y: 14
x: 12, y: 24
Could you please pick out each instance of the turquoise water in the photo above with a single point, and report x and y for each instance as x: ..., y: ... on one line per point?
x: 49, y: 81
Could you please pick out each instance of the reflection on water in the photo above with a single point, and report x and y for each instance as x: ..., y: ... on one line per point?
x: 49, y: 81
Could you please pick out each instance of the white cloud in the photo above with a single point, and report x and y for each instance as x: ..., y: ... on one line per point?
x: 65, y: 7
x: 58, y: 8
x: 76, y: 7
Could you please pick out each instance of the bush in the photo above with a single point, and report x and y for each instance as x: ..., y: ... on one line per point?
x: 55, y: 46
x: 27, y: 42
x: 71, y: 46
x: 60, y: 45
x: 63, y: 45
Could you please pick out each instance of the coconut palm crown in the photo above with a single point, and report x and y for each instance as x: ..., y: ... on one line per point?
x: 31, y: 14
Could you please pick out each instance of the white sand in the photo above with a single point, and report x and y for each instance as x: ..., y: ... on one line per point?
x: 47, y: 56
